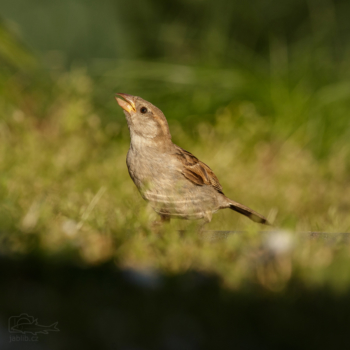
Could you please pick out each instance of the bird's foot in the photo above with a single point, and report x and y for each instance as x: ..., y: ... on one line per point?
x: 157, y: 224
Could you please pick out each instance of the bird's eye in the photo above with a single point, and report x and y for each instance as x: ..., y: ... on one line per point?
x: 143, y: 110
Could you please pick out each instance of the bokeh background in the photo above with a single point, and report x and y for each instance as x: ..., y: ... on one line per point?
x: 259, y: 90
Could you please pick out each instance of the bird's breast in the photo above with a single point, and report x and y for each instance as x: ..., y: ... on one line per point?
x: 152, y: 170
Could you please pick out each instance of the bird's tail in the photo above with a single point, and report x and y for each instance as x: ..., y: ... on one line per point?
x: 251, y: 214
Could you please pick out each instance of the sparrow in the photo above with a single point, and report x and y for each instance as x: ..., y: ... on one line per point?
x: 172, y: 180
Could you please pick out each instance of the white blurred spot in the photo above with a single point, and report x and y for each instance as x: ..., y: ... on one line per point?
x: 69, y: 227
x: 279, y: 242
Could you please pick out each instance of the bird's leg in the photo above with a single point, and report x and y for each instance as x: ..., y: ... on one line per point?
x: 201, y: 226
x: 163, y: 219
x: 205, y: 220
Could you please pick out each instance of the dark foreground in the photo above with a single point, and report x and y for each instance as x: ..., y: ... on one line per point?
x: 108, y: 308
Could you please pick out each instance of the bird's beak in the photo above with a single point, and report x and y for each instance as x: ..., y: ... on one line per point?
x: 129, y: 104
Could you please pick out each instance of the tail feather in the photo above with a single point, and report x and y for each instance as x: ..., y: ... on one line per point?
x: 251, y: 214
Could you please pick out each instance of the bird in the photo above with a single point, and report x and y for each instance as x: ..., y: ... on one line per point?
x: 174, y: 182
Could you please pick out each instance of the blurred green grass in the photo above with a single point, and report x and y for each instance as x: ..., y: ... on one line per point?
x: 274, y: 127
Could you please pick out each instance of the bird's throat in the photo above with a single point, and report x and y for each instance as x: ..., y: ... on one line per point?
x: 140, y: 143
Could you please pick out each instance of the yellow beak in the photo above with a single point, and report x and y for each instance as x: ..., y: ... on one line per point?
x: 129, y: 104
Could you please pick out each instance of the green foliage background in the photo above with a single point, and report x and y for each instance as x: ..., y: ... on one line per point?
x: 257, y: 90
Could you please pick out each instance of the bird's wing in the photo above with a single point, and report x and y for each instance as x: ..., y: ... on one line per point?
x: 196, y: 171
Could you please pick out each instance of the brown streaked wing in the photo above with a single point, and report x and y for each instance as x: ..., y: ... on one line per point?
x: 196, y: 171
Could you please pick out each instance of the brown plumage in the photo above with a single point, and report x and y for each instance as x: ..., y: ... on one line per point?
x: 196, y: 171
x: 173, y: 180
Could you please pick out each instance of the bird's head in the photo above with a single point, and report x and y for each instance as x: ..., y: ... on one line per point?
x: 144, y: 119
